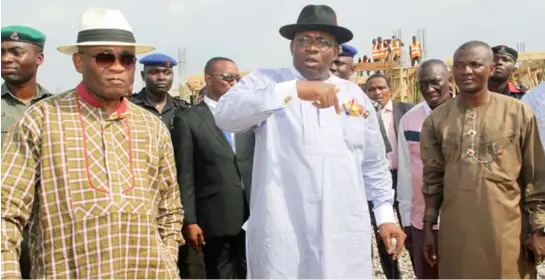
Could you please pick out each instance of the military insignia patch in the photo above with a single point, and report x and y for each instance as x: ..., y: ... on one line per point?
x: 14, y: 36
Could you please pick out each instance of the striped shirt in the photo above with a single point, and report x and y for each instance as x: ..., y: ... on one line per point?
x: 101, y: 189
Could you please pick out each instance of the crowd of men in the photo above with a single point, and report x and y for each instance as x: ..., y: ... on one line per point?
x: 285, y: 173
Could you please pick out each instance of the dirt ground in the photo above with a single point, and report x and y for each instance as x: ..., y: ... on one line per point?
x: 406, y: 266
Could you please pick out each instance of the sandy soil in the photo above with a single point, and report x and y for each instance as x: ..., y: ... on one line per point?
x: 407, y: 270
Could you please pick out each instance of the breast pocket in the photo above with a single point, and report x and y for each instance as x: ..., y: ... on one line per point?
x: 7, y: 122
x: 354, y: 131
x: 501, y: 158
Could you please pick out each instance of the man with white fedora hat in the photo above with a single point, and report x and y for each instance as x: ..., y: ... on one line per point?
x: 319, y: 157
x: 94, y: 172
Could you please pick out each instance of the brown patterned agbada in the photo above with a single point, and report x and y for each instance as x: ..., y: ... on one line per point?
x: 101, y: 189
x: 484, y: 170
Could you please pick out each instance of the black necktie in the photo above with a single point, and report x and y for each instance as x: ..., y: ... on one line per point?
x: 383, y: 130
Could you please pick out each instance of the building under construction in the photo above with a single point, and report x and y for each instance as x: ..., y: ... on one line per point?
x: 530, y: 71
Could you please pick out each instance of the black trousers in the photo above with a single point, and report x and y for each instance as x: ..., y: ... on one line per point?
x: 415, y: 60
x: 389, y: 266
x: 24, y: 259
x: 191, y: 264
x: 225, y: 257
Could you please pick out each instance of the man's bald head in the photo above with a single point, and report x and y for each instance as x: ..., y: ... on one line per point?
x: 434, y: 82
x: 473, y: 64
x: 476, y: 44
x: 433, y: 62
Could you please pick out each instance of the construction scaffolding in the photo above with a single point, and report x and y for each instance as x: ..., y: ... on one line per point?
x: 530, y: 73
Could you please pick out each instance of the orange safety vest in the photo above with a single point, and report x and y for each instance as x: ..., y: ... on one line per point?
x: 415, y: 50
x: 396, y: 48
x: 379, y: 52
x: 375, y: 52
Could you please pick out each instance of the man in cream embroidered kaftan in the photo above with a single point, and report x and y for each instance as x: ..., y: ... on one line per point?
x: 314, y: 171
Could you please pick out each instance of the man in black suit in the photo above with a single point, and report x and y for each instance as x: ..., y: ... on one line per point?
x: 377, y: 88
x: 214, y: 173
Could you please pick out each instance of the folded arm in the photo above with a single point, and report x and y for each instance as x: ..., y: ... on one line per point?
x: 251, y: 101
x: 20, y: 177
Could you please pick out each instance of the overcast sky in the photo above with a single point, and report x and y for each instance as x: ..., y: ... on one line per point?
x: 247, y: 30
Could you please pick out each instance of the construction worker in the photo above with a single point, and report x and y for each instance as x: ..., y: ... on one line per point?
x: 396, y: 45
x: 375, y: 52
x: 505, y: 59
x: 416, y: 51
x: 382, y: 48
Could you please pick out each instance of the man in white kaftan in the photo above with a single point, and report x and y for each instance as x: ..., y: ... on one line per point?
x: 314, y: 170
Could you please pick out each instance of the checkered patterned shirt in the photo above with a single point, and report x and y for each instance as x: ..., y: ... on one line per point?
x: 101, y: 189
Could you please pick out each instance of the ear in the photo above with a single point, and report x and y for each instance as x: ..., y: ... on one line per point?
x: 142, y: 75
x: 207, y: 80
x: 77, y: 59
x: 391, y: 92
x: 39, y: 59
x: 291, y: 47
x: 492, y: 69
x: 451, y: 79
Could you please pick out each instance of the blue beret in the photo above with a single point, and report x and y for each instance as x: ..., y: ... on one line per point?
x: 158, y: 59
x: 25, y: 34
x: 347, y: 50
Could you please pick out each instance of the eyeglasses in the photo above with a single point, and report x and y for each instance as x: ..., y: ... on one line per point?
x: 228, y: 77
x: 321, y: 43
x: 106, y: 60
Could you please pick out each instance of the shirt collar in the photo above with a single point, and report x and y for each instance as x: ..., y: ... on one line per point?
x: 300, y: 77
x: 40, y: 91
x: 511, y: 88
x: 84, y: 94
x: 140, y: 99
x: 211, y: 103
x: 389, y: 106
x: 427, y: 108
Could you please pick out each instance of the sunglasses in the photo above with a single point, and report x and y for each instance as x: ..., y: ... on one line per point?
x: 228, y: 77
x: 106, y: 60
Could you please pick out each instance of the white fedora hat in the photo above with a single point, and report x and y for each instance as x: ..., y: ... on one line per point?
x: 105, y: 27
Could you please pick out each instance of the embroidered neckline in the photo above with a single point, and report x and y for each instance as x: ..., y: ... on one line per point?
x: 83, y: 93
x: 86, y: 153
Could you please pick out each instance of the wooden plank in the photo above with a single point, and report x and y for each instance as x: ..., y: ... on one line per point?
x: 375, y: 66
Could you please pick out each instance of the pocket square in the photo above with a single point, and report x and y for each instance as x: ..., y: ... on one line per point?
x: 353, y: 108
